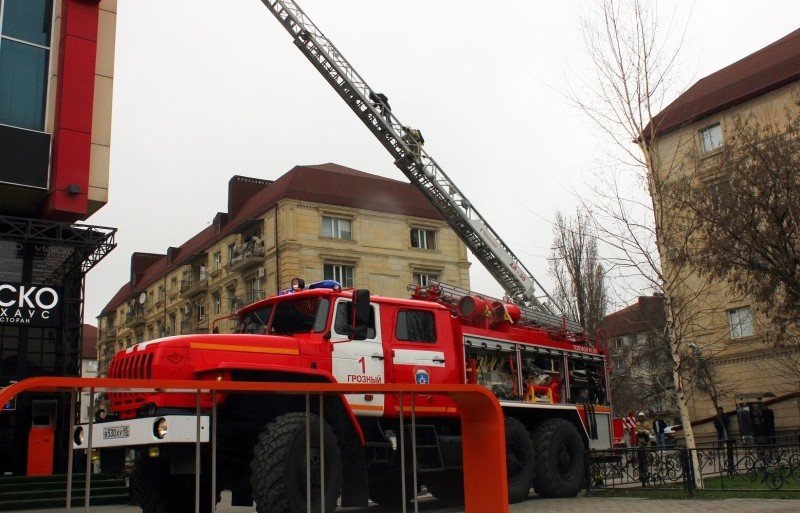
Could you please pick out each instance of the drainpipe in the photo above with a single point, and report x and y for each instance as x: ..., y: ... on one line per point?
x: 277, y: 260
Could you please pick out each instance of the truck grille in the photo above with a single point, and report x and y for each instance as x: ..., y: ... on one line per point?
x: 130, y: 366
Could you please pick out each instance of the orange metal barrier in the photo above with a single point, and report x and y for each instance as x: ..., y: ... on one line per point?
x: 484, y: 457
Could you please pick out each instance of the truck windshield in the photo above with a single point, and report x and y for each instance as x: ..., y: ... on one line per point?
x: 304, y: 315
x: 255, y: 321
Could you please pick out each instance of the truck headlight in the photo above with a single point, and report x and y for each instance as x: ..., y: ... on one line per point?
x: 160, y: 428
x: 77, y: 436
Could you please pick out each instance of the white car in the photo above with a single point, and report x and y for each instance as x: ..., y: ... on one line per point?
x: 669, y: 434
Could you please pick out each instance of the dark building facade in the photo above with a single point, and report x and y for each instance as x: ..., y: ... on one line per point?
x: 56, y: 71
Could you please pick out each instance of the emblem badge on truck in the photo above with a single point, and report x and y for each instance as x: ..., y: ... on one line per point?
x: 421, y: 377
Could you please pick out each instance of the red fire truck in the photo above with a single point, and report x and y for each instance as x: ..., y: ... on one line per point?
x: 549, y: 379
x: 551, y: 385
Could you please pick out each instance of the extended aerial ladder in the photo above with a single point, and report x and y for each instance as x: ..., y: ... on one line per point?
x: 418, y: 166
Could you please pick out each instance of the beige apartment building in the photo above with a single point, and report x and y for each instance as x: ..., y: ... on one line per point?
x: 690, y: 135
x: 314, y: 222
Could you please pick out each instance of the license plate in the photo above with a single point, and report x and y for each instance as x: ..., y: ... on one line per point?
x: 116, y: 432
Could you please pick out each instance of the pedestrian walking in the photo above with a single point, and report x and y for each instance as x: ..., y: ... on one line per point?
x: 659, y: 425
x: 721, y: 425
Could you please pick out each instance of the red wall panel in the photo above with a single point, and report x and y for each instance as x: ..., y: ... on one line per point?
x: 72, y: 133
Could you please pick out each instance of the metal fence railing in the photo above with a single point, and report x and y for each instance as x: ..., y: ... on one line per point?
x: 744, y: 467
x: 482, y: 431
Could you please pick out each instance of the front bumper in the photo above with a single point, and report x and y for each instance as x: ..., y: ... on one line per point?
x: 133, y: 432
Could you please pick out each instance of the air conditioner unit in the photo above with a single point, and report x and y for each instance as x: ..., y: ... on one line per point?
x: 260, y: 272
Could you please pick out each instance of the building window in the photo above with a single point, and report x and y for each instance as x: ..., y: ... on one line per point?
x: 424, y: 239
x: 217, y: 260
x: 711, y: 138
x: 233, y: 301
x: 231, y: 252
x: 424, y: 279
x: 336, y: 228
x: 619, y: 342
x: 341, y: 273
x: 173, y: 284
x: 217, y: 303
x: 254, y: 292
x: 24, y: 62
x: 741, y: 322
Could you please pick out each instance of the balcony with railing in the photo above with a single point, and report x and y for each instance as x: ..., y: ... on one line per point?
x: 247, y: 255
x: 134, y: 317
x: 255, y: 295
x: 194, y: 284
x: 160, y: 299
x: 199, y: 325
x: 108, y: 334
x: 235, y: 303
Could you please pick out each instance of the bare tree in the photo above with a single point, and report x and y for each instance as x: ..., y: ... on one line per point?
x: 704, y: 376
x: 639, y: 213
x: 641, y: 370
x: 580, y: 279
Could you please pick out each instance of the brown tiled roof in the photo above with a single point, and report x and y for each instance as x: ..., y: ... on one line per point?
x: 89, y: 342
x: 768, y: 69
x: 647, y: 314
x: 329, y: 184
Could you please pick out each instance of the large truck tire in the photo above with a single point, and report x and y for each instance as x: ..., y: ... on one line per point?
x: 155, y: 490
x: 560, y: 459
x: 447, y: 486
x: 278, y: 468
x: 520, y: 460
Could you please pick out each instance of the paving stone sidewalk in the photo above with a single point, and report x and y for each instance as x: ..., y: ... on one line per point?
x: 635, y: 505
x: 577, y: 505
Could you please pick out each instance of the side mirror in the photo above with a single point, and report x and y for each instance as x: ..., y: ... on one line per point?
x: 359, y: 324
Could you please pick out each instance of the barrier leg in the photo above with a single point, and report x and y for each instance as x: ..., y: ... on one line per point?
x: 308, y: 453
x: 71, y: 453
x: 197, y: 458
x: 213, y: 452
x: 402, y: 454
x: 321, y: 455
x: 88, y: 488
x: 484, y: 453
x: 414, y: 452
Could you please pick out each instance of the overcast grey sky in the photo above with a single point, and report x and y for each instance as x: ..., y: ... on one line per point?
x: 205, y: 89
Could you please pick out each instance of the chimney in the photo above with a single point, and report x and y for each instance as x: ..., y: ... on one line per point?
x: 172, y: 254
x: 241, y: 189
x: 140, y: 262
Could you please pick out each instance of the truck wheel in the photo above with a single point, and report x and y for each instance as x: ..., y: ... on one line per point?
x: 155, y: 490
x: 278, y: 469
x: 559, y: 459
x: 520, y: 461
x: 447, y: 486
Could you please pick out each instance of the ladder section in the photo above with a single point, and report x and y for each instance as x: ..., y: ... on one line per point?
x: 415, y: 163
